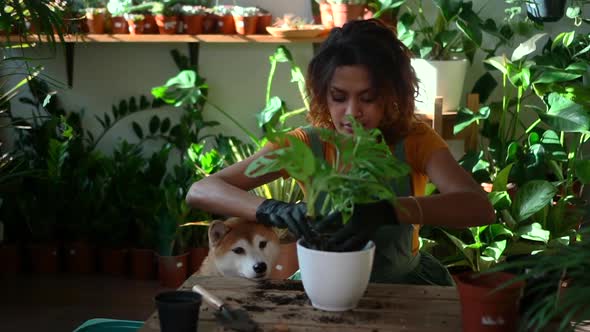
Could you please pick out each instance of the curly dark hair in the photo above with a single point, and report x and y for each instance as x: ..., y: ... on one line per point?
x: 374, y: 45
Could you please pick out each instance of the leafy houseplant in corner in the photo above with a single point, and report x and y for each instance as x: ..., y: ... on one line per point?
x: 362, y: 173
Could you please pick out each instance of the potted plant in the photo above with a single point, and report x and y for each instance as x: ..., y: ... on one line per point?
x: 347, y: 10
x: 361, y: 173
x: 264, y: 20
x: 325, y: 13
x: 117, y: 9
x: 444, y: 46
x: 192, y: 18
x: 225, y: 19
x: 95, y: 18
x: 166, y: 14
x: 136, y: 23
x: 245, y: 19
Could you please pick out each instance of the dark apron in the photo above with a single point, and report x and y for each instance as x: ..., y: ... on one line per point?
x: 394, y: 261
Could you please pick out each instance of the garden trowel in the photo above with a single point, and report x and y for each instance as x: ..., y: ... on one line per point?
x: 235, y: 319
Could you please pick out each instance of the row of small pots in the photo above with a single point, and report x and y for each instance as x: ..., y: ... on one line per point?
x: 185, y: 24
x: 81, y: 258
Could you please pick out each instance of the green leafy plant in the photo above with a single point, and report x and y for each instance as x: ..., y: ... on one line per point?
x: 362, y: 172
x: 457, y: 30
x: 348, y: 2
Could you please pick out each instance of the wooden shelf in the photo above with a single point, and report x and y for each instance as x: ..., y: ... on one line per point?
x: 125, y: 38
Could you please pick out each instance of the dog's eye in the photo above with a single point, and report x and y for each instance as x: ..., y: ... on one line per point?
x: 262, y: 245
x: 238, y: 250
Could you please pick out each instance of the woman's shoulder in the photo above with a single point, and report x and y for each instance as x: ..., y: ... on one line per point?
x: 420, y: 142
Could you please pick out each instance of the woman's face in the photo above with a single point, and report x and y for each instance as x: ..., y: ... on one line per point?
x: 350, y: 93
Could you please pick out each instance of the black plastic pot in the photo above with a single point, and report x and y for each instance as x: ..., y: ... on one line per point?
x: 545, y: 10
x: 178, y: 311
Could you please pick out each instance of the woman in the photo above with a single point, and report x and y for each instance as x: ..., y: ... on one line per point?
x: 364, y: 71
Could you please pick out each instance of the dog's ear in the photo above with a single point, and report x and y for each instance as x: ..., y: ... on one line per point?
x: 217, y: 231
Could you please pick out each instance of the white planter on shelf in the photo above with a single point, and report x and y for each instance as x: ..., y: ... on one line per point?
x: 440, y: 78
x: 335, y: 281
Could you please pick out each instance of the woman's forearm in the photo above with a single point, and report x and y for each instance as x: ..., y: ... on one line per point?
x: 216, y: 196
x: 457, y: 209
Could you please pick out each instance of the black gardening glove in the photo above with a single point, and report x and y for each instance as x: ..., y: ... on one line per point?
x: 284, y: 215
x: 364, y: 222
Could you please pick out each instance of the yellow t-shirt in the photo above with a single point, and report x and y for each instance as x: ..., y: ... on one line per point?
x: 419, y: 145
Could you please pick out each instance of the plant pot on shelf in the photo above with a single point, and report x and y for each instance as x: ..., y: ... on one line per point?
x: 119, y: 25
x: 167, y: 25
x: 264, y: 20
x: 149, y: 24
x: 193, y: 24
x: 10, y: 259
x: 433, y: 79
x: 113, y: 261
x: 210, y: 24
x: 80, y: 258
x: 226, y: 25
x: 96, y: 22
x: 245, y: 25
x: 335, y: 281
x: 142, y: 264
x: 326, y: 15
x: 172, y: 270
x: 44, y: 258
x: 197, y: 256
x: 136, y: 27
x: 545, y: 10
x: 483, y: 307
x: 342, y: 13
x: 287, y: 263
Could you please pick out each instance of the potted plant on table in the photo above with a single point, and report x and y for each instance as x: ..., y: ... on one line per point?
x: 347, y: 10
x: 117, y: 9
x: 166, y: 14
x: 192, y: 18
x: 362, y: 173
x: 245, y: 19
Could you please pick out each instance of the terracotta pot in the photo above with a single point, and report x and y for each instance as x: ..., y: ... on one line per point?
x: 197, y: 256
x: 193, y: 24
x: 80, y: 258
x: 113, y: 261
x: 485, y: 311
x: 119, y: 24
x: 287, y: 263
x: 142, y: 264
x: 167, y: 25
x: 172, y: 270
x: 210, y: 24
x: 326, y: 15
x: 226, y: 25
x: 10, y: 259
x: 136, y: 27
x: 44, y: 258
x: 342, y: 13
x: 264, y: 21
x: 149, y: 24
x: 96, y: 23
x: 246, y: 25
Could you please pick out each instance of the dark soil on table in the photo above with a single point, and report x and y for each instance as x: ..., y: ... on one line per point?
x: 284, y: 285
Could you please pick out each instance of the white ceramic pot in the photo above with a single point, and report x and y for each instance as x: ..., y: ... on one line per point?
x: 335, y: 281
x: 440, y: 78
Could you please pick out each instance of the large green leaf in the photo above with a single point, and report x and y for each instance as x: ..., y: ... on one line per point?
x: 582, y: 168
x: 449, y: 8
x: 465, y: 117
x: 501, y: 180
x: 184, y: 88
x: 552, y: 145
x: 565, y: 115
x: 556, y: 75
x: 532, y: 197
x: 527, y: 47
x: 495, y: 249
x: 534, y: 232
x: 274, y: 106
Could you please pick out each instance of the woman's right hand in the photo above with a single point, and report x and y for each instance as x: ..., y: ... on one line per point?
x: 284, y: 215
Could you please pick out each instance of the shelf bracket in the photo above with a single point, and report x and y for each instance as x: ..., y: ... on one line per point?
x: 193, y: 55
x: 70, y: 63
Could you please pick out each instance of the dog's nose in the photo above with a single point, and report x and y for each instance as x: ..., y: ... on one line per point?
x: 260, y: 267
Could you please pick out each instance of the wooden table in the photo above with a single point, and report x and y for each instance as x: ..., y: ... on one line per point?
x: 283, y: 306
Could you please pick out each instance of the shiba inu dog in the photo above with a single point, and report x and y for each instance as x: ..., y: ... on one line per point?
x: 240, y: 248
